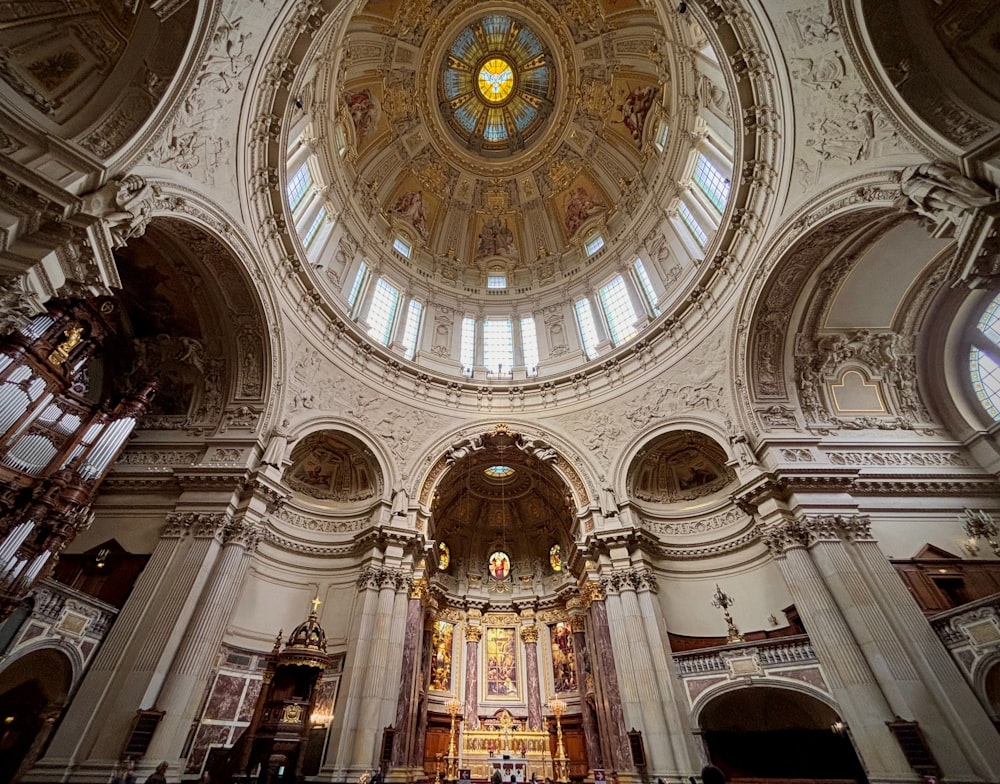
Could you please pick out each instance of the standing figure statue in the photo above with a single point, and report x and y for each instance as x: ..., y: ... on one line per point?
x: 941, y: 193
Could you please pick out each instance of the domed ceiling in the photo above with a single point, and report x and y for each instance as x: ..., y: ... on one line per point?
x: 501, y: 136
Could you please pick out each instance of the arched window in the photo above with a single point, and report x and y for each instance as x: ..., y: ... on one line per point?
x: 984, y: 359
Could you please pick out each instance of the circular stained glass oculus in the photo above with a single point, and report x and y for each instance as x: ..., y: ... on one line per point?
x: 498, y: 472
x: 496, y: 80
x: 497, y: 84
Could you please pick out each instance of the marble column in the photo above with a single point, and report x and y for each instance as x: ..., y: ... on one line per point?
x: 653, y: 695
x: 473, y: 634
x: 410, y: 669
x: 851, y: 681
x: 184, y: 688
x: 585, y: 682
x: 369, y: 722
x: 348, y: 733
x: 612, y: 717
x: 529, y: 635
x: 420, y: 731
x: 123, y: 676
x: 673, y: 695
x: 960, y: 733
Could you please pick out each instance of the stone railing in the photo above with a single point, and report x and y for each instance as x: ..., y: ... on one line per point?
x: 780, y: 652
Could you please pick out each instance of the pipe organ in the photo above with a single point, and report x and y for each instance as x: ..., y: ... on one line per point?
x: 57, y: 440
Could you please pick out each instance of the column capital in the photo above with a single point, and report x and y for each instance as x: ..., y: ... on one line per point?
x: 832, y: 527
x: 242, y: 533
x: 473, y: 633
x: 529, y: 634
x: 783, y: 536
x: 382, y: 577
x: 577, y: 623
x: 420, y: 590
x: 591, y: 592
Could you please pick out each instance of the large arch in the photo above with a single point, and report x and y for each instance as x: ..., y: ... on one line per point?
x: 34, y: 688
x: 765, y: 731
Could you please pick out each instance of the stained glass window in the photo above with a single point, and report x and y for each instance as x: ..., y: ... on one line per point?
x: 501, y: 663
x: 441, y: 639
x: 444, y: 556
x: 497, y: 84
x: 499, y: 565
x: 555, y: 558
x: 563, y: 658
x: 499, y: 472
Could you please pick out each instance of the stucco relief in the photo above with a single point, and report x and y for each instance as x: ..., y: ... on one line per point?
x: 698, y: 388
x: 399, y: 427
x: 196, y: 142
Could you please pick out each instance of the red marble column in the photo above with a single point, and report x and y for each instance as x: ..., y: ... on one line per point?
x: 529, y: 634
x: 411, y: 662
x: 612, y: 716
x: 420, y: 734
x: 585, y: 683
x: 473, y: 634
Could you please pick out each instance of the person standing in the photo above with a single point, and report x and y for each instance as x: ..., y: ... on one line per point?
x: 159, y: 776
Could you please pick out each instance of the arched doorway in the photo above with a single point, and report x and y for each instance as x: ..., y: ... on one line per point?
x: 991, y: 690
x: 33, y: 691
x: 763, y: 732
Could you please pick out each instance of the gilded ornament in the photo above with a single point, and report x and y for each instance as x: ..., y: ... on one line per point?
x: 473, y: 633
x: 529, y: 634
x: 73, y: 337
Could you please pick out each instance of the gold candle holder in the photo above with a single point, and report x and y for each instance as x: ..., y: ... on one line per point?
x: 558, y: 708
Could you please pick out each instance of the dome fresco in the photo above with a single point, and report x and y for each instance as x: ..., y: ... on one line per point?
x: 516, y: 166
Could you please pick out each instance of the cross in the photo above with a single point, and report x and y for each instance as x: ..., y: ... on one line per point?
x: 316, y: 603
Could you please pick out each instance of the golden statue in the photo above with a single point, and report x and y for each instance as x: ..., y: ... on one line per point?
x: 74, y: 336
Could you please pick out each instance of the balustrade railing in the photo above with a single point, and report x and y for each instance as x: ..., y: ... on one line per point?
x: 772, y: 653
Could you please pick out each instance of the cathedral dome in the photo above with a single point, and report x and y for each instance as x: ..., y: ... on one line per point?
x: 489, y: 165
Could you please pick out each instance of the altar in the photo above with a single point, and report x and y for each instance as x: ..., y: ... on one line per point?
x: 504, y: 743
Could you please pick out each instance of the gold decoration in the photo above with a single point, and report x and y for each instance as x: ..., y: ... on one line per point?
x: 421, y: 590
x: 529, y: 634
x: 591, y: 592
x: 596, y: 99
x: 577, y: 623
x: 497, y: 200
x: 558, y: 708
x: 74, y: 336
x: 473, y: 633
x: 560, y: 173
x: 292, y: 714
x: 397, y: 103
x: 434, y: 176
x: 500, y: 619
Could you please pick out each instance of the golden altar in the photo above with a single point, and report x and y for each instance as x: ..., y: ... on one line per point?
x: 504, y: 743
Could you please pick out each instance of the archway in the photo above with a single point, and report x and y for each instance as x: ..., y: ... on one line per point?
x: 33, y: 691
x: 991, y: 691
x: 764, y: 732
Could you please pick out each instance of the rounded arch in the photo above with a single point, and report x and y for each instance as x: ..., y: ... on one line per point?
x: 772, y: 730
x: 214, y: 270
x: 390, y: 477
x: 949, y: 381
x: 815, y: 293
x: 933, y: 85
x: 35, y: 685
x: 569, y: 465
